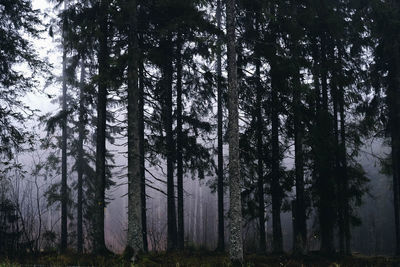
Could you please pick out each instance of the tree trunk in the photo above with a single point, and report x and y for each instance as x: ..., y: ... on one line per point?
x: 341, y: 160
x: 220, y: 171
x: 298, y: 205
x: 276, y: 190
x: 142, y: 150
x: 394, y: 106
x: 170, y: 145
x: 103, y: 58
x: 325, y: 183
x: 179, y: 162
x: 346, y: 205
x: 300, y: 235
x: 135, y: 234
x: 338, y: 169
x: 81, y: 130
x: 64, y: 190
x: 260, y: 158
x: 236, y: 242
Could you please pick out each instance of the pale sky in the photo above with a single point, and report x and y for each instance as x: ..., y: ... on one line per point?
x: 47, y: 48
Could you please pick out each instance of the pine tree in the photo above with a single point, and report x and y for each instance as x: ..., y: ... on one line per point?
x: 236, y: 243
x: 179, y: 160
x: 17, y: 49
x: 135, y: 237
x: 64, y: 196
x: 103, y: 59
x: 220, y: 170
x: 142, y: 148
x: 81, y: 137
x: 385, y: 14
x: 276, y: 86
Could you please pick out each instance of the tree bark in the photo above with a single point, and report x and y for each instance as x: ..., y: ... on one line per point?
x: 276, y: 190
x: 394, y: 109
x: 64, y: 189
x: 346, y: 206
x: 135, y: 234
x: 300, y: 223
x: 81, y: 130
x: 179, y: 162
x: 103, y: 58
x: 338, y: 169
x: 300, y: 235
x: 170, y: 145
x: 220, y: 171
x: 260, y: 158
x: 142, y: 149
x: 325, y: 183
x: 236, y: 242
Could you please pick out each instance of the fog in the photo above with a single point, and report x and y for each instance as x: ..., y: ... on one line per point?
x: 374, y: 236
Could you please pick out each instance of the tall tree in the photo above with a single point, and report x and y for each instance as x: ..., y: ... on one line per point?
x: 296, y: 39
x: 394, y: 104
x: 142, y: 147
x: 103, y: 59
x: 385, y: 74
x: 300, y: 235
x: 167, y: 69
x: 20, y: 24
x: 276, y: 86
x: 391, y: 39
x: 64, y: 189
x: 81, y: 137
x: 220, y: 170
x: 260, y: 157
x: 344, y: 173
x: 393, y: 95
x: 236, y: 242
x: 179, y: 160
x: 135, y: 235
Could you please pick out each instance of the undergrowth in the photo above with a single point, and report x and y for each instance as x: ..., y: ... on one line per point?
x: 196, y: 259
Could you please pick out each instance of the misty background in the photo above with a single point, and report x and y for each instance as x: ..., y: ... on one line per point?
x: 374, y: 236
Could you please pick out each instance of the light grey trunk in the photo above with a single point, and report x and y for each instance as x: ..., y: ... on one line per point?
x: 135, y: 235
x: 236, y: 242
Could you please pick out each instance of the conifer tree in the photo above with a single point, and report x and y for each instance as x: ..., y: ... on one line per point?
x: 135, y: 237
x: 236, y: 243
x: 220, y: 171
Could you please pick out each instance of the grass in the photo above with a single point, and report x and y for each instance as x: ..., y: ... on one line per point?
x: 198, y: 259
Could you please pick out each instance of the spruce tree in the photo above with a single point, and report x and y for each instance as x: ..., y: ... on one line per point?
x: 236, y: 243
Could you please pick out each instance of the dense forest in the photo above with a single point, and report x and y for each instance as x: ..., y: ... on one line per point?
x: 236, y: 126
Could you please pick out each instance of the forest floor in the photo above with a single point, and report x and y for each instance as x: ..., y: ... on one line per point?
x: 198, y: 258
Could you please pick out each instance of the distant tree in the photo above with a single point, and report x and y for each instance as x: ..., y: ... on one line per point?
x: 81, y: 138
x: 10, y: 232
